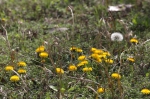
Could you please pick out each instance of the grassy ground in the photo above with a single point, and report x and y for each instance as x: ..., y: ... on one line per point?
x: 83, y: 61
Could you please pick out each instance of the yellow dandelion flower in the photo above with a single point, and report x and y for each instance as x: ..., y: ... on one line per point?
x: 79, y: 50
x: 72, y: 68
x: 14, y: 78
x: 90, y: 68
x: 59, y: 71
x: 22, y: 71
x: 81, y: 58
x: 87, y: 69
x: 110, y: 61
x: 73, y: 48
x: 116, y: 76
x: 100, y: 90
x: 98, y: 51
x: 102, y: 56
x: 9, y: 68
x: 40, y: 49
x: 4, y: 19
x: 21, y: 63
x: 106, y: 53
x: 93, y: 49
x: 131, y: 59
x: 80, y: 64
x: 145, y: 91
x: 43, y: 54
x: 84, y: 62
x: 76, y: 49
x: 95, y: 56
x: 98, y: 60
x: 134, y: 40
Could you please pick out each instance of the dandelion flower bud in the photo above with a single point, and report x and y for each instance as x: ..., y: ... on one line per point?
x: 131, y: 59
x: 100, y: 90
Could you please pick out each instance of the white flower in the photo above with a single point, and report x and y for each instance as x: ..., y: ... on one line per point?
x: 116, y: 36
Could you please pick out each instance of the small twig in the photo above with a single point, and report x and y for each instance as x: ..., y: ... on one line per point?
x: 145, y: 41
x: 92, y: 89
x: 71, y: 14
x: 73, y: 21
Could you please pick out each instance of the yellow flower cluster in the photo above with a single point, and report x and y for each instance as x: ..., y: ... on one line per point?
x: 76, y: 49
x: 41, y: 52
x: 82, y: 60
x: 21, y: 70
x: 145, y: 91
x: 99, y: 55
